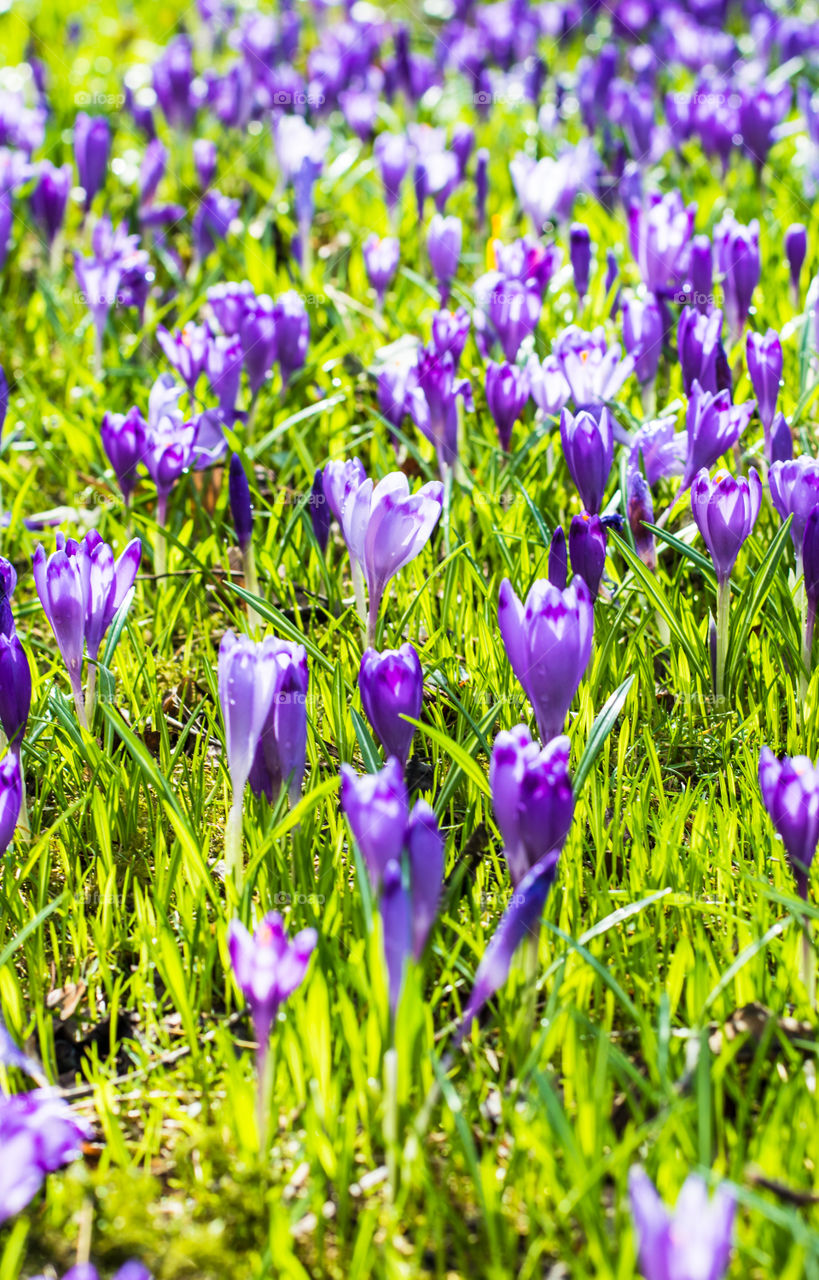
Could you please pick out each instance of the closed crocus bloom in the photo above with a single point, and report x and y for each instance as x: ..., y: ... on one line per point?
x: 212, y: 220
x: 63, y: 593
x: 268, y: 967
x: 507, y: 391
x: 444, y: 249
x: 701, y: 274
x: 292, y: 333
x: 223, y: 366
x: 320, y: 513
x: 241, y: 508
x: 152, y: 169
x: 588, y: 447
x: 713, y: 426
x: 392, y: 155
x: 282, y: 750
x: 173, y: 75
x: 377, y: 809
x: 259, y: 340
x: 659, y: 233
x: 432, y: 391
x: 643, y: 336
x: 186, y: 350
x: 810, y: 570
x: 230, y: 302
x: 532, y: 797
x: 392, y: 686
x: 11, y: 797
x: 450, y: 330
x: 425, y: 855
x: 558, y: 562
x: 124, y: 438
x: 693, y: 1243
x: 15, y: 689
x: 781, y: 440
x: 481, y: 185
x: 796, y: 250
x: 580, y: 257
x: 725, y: 510
x: 381, y: 258
x: 764, y: 356
x: 794, y: 490
x: 513, y: 310
x: 92, y: 143
x: 587, y: 550
x: 790, y: 793
x: 737, y: 253
x: 699, y: 342
x: 50, y: 197
x: 204, y: 159
x: 396, y: 925
x: 640, y: 512
x: 340, y: 481
x: 548, y: 642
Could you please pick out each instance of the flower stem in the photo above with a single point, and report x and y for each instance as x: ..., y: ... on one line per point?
x: 161, y: 549
x: 76, y: 689
x: 23, y: 824
x: 254, y: 621
x: 391, y: 1119
x: 91, y: 692
x: 808, y: 965
x: 233, y: 842
x: 723, y: 617
x: 358, y: 590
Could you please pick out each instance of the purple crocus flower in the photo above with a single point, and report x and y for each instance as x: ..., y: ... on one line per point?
x: 761, y: 110
x: 520, y: 920
x: 241, y: 507
x: 511, y: 309
x: 434, y: 407
x: 481, y: 185
x: 124, y: 437
x: 15, y: 688
x: 259, y: 340
x: 790, y: 793
x: 39, y: 1134
x: 558, y: 570
x: 693, y: 1242
x: 268, y: 967
x: 204, y: 159
x: 381, y: 258
x: 643, y: 336
x: 186, y: 350
x: 660, y: 230
x: 212, y: 220
x: 282, y: 750
x: 152, y: 170
x: 320, y: 513
x: 396, y: 385
x: 580, y: 257
x: 593, y: 367
x: 11, y: 798
x: 392, y: 686
x: 230, y: 302
x: 713, y: 425
x: 701, y: 274
x: 392, y: 155
x: 781, y: 440
x: 794, y: 487
x: 764, y: 357
x: 532, y: 797
x: 547, y: 384
x: 92, y: 143
x: 546, y: 189
x: 444, y: 249
x: 173, y: 76
x: 169, y: 447
x: 131, y: 1270
x: 450, y: 330
x: 587, y: 549
x: 377, y: 809
x: 548, y: 642
x: 292, y: 333
x: 725, y: 511
x: 810, y: 570
x: 507, y: 391
x: 588, y: 447
x: 737, y: 254
x: 796, y: 250
x: 699, y: 345
x: 640, y: 512
x: 50, y: 197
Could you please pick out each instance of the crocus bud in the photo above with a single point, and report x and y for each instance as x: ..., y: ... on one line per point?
x: 320, y: 513
x: 796, y: 250
x: 790, y: 793
x: 725, y: 510
x: 699, y: 341
x: 794, y: 487
x: 11, y: 798
x: 391, y: 152
x: 377, y: 809
x: 580, y: 257
x: 612, y: 273
x: 152, y: 169
x: 764, y: 356
x: 481, y: 185
x: 643, y: 336
x: 292, y: 333
x: 396, y: 914
x: 241, y: 508
x: 123, y: 439
x: 463, y: 140
x: 381, y: 258
x: 204, y: 158
x: 15, y: 689
x: 737, y: 250
x: 558, y: 562
x: 548, y: 642
x: 258, y: 336
x: 640, y: 512
x: 532, y: 797
x: 588, y: 447
x: 781, y: 440
x: 810, y: 570
x: 420, y: 182
x: 444, y: 249
x: 50, y: 197
x: 92, y: 142
x: 268, y: 968
x: 392, y: 686
x: 701, y: 274
x: 507, y: 391
x: 587, y: 550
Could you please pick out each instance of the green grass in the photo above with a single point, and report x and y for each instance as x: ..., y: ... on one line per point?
x: 673, y: 909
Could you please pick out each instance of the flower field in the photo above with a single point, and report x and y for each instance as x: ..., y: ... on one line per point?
x: 409, y: 566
